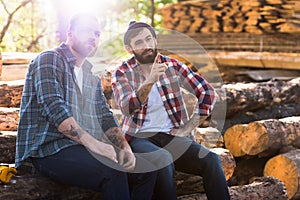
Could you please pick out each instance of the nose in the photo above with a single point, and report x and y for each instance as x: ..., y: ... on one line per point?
x: 146, y: 45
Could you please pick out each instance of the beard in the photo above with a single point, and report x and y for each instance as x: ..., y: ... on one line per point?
x: 84, y: 50
x: 146, y: 59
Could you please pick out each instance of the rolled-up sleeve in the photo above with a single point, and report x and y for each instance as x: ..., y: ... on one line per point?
x: 196, y: 84
x: 124, y: 94
x: 49, y: 88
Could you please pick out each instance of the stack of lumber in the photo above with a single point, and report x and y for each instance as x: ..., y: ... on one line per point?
x: 258, y: 16
x: 236, y: 25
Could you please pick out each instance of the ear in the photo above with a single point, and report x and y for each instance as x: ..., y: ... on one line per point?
x: 128, y: 49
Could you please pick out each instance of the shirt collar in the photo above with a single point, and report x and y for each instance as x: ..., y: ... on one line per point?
x: 72, y: 59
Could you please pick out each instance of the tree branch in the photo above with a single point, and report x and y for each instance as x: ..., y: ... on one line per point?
x: 10, y: 16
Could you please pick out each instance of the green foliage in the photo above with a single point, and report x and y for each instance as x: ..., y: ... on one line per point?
x: 34, y: 27
x: 30, y: 29
x: 125, y: 11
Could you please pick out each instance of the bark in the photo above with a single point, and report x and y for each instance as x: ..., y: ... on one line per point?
x: 246, y: 169
x: 39, y: 187
x: 227, y: 161
x: 32, y: 187
x: 254, y: 96
x: 286, y: 167
x: 209, y: 137
x: 267, y: 188
x: 10, y: 95
x: 263, y: 138
x: 7, y: 147
x: 277, y: 111
x: 9, y: 118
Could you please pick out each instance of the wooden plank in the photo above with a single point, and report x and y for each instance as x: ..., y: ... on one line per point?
x: 257, y: 59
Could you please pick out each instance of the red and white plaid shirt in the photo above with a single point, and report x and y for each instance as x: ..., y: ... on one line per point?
x: 128, y: 78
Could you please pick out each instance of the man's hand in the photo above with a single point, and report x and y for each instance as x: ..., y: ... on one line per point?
x: 127, y: 159
x: 187, y: 129
x: 156, y: 71
x: 104, y: 149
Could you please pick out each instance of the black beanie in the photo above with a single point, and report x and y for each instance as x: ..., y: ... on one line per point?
x: 133, y: 25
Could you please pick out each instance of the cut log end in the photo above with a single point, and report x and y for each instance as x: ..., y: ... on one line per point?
x: 227, y: 161
x: 286, y: 168
x: 231, y: 138
x: 254, y: 139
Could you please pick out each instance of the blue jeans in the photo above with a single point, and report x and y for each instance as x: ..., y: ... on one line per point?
x: 185, y: 155
x: 76, y: 166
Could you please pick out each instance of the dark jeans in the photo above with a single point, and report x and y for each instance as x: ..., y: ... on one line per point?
x: 76, y: 166
x: 185, y: 155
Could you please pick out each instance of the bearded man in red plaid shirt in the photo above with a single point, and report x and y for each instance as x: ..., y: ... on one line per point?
x: 147, y: 87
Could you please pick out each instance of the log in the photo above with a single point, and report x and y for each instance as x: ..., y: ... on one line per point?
x: 227, y: 161
x: 286, y: 167
x: 209, y: 137
x: 33, y: 187
x: 186, y: 183
x: 9, y: 118
x: 277, y: 111
x: 7, y: 146
x: 263, y: 138
x: 10, y: 93
x: 267, y: 188
x: 253, y: 96
x: 246, y: 169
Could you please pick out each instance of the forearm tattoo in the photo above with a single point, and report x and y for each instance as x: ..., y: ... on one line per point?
x: 74, y: 133
x: 115, y: 136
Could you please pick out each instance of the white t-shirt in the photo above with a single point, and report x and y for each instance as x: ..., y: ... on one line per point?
x: 157, y: 119
x: 79, y: 76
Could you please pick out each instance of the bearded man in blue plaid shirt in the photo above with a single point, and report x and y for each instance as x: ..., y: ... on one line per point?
x: 66, y: 129
x: 147, y: 88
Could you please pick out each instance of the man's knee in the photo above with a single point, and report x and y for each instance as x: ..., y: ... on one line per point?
x: 165, y: 159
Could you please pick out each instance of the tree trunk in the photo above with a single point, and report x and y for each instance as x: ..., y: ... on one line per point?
x: 38, y: 187
x: 246, y: 169
x: 7, y: 147
x: 267, y: 188
x: 253, y: 96
x: 209, y: 137
x: 264, y: 137
x: 286, y: 167
x: 9, y: 118
x: 10, y: 95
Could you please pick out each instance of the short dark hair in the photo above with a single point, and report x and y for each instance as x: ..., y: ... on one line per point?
x: 134, y: 28
x: 81, y: 16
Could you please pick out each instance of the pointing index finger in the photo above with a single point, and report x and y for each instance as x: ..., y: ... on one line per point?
x: 156, y: 58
